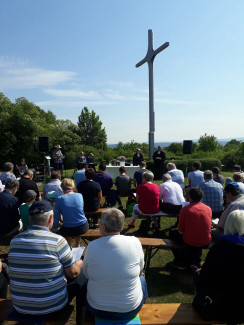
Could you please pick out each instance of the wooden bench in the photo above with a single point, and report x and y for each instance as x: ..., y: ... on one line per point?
x: 164, y: 314
x: 58, y: 318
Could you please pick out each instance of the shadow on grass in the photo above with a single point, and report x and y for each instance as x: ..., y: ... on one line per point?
x: 162, y: 281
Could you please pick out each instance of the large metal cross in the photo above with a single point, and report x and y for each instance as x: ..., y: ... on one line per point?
x: 149, y: 58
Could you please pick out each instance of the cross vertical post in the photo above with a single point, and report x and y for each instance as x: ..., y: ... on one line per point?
x: 149, y: 58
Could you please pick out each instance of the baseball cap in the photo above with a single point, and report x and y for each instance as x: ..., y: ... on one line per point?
x: 40, y: 207
x: 51, y: 196
x: 29, y: 195
x: 232, y: 184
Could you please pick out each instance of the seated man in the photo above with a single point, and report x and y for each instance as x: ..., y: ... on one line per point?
x: 195, y: 178
x: 147, y: 196
x: 80, y: 173
x: 123, y: 184
x: 8, y: 174
x: 104, y: 179
x: 81, y: 158
x: 234, y: 200
x: 10, y: 221
x: 26, y: 183
x: 138, y: 174
x: 212, y: 194
x: 176, y: 174
x: 194, y: 231
x: 171, y: 196
x: 91, y: 191
x: 53, y: 185
x: 39, y: 262
x: 239, y: 178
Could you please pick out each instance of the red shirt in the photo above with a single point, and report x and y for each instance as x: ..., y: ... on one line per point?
x: 148, y: 198
x: 195, y: 224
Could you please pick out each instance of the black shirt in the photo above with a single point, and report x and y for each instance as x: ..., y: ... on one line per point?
x: 26, y: 184
x: 89, y: 191
x: 9, y: 213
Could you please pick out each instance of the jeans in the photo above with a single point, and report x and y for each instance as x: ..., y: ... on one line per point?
x: 127, y: 315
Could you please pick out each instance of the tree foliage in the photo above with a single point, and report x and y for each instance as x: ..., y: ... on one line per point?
x: 208, y: 143
x: 90, y: 129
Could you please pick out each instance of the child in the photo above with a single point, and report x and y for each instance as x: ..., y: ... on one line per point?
x: 29, y: 198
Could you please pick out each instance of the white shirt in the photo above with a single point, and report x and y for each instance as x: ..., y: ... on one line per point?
x: 177, y: 176
x: 112, y: 265
x: 241, y: 185
x: 53, y: 185
x: 171, y: 192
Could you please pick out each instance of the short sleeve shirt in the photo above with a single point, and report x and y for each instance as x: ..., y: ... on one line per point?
x: 148, y: 198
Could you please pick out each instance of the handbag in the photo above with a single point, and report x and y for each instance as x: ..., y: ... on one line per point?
x: 206, y: 306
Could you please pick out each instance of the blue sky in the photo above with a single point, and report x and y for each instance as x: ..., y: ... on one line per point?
x: 64, y: 55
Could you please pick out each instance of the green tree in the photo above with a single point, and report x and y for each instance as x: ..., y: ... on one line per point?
x: 208, y: 143
x: 175, y: 147
x: 90, y: 129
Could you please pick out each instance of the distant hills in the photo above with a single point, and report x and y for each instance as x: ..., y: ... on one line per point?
x: 166, y: 144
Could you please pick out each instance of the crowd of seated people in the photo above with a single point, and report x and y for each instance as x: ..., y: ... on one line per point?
x: 122, y: 285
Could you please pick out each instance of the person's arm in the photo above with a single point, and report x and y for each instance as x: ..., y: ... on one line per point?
x: 134, y: 182
x: 56, y: 215
x: 74, y: 270
x: 137, y: 198
x: 100, y: 195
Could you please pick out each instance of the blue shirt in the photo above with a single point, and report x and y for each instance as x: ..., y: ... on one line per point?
x: 80, y: 176
x: 71, y: 207
x: 36, y: 261
x: 196, y: 178
x: 212, y: 195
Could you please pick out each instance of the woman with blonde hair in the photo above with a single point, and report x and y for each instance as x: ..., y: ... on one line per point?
x: 71, y: 207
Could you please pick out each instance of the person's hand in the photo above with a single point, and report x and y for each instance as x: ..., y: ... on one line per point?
x: 1, y: 266
x: 79, y: 263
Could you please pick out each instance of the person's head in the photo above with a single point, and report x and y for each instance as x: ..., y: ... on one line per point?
x: 8, y: 167
x: 29, y: 196
x: 216, y: 170
x: 55, y: 174
x: 232, y: 189
x: 41, y: 214
x: 195, y: 194
x: 228, y: 180
x: 81, y: 153
x: 102, y: 167
x: 58, y: 146
x: 28, y: 173
x: 166, y: 177
x: 12, y: 185
x: 90, y: 155
x: 147, y: 176
x: 82, y: 165
x: 138, y: 150
x: 22, y: 162
x: 122, y: 170
x: 207, y: 174
x: 236, y: 168
x: 235, y: 223
x: 90, y: 173
x: 112, y: 221
x: 51, y: 196
x: 143, y: 165
x: 67, y: 184
x: 238, y: 177
x: 170, y: 166
x: 196, y: 165
x: 159, y: 148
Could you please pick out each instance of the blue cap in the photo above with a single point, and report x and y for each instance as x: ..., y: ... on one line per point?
x: 51, y: 196
x: 40, y: 207
x: 233, y: 184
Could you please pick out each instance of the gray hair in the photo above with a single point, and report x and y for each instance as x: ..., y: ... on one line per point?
x: 238, y: 177
x: 208, y: 174
x: 171, y: 165
x: 28, y: 172
x: 11, y: 184
x: 148, y: 176
x: 40, y: 219
x: 166, y: 177
x: 8, y: 166
x: 235, y: 223
x: 113, y: 219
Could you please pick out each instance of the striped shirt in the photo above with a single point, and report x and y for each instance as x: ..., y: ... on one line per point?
x: 36, y: 261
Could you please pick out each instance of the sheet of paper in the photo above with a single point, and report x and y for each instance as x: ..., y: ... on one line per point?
x: 215, y: 221
x: 77, y: 252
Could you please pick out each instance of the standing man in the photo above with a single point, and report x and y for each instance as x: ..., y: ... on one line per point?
x: 137, y: 158
x: 159, y: 158
x: 39, y: 262
x: 58, y: 159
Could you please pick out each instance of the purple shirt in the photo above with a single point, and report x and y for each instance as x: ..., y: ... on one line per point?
x: 105, y: 180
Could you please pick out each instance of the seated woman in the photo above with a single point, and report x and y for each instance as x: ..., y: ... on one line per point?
x: 221, y: 277
x: 71, y: 207
x: 113, y: 265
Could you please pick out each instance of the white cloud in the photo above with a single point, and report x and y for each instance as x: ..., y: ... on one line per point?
x: 71, y: 93
x: 18, y: 74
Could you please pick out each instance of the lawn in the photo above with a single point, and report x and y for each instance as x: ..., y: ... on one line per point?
x: 164, y: 284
